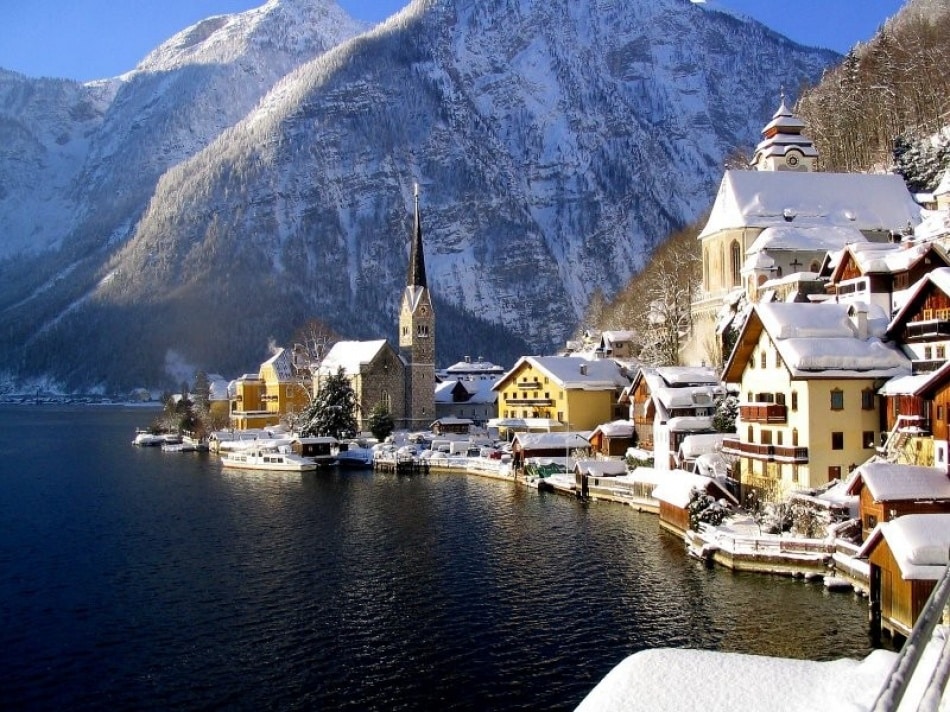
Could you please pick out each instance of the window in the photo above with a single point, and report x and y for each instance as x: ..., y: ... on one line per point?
x: 834, y: 472
x: 837, y: 440
x: 778, y: 360
x: 867, y: 399
x: 870, y: 521
x: 750, y: 434
x: 837, y: 399
x: 794, y: 473
x: 752, y: 361
x: 942, y: 352
x: 939, y: 413
x: 794, y: 400
x: 867, y: 439
x: 763, y: 359
x: 928, y: 353
x: 794, y: 437
x: 766, y: 437
x: 778, y: 436
x: 736, y: 263
x: 749, y: 397
x: 780, y: 398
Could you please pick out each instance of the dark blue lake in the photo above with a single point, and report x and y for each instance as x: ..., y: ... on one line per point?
x: 132, y: 579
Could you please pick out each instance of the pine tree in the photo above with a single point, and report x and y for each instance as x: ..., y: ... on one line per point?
x: 333, y: 411
x: 381, y: 423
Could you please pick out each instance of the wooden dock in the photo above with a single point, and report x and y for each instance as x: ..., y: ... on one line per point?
x: 400, y: 464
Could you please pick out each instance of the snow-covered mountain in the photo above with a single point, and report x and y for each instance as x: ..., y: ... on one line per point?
x: 242, y: 179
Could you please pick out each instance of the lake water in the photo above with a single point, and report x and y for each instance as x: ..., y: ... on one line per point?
x: 136, y: 579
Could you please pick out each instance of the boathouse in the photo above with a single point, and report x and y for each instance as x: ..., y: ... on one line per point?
x: 907, y: 557
x: 675, y: 492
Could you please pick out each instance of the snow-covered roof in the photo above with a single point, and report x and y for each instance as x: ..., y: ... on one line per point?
x: 575, y: 373
x: 700, y: 444
x: 689, y: 396
x: 348, y: 355
x: 888, y: 481
x: 690, y: 424
x: 943, y: 187
x: 939, y: 278
x: 919, y: 543
x: 477, y: 367
x: 687, y: 375
x: 551, y: 441
x: 616, y: 429
x: 805, y: 238
x: 761, y: 199
x: 282, y: 364
x: 676, y: 487
x: 904, y: 385
x: 479, y: 390
x: 601, y: 468
x: 888, y: 257
x: 813, y: 338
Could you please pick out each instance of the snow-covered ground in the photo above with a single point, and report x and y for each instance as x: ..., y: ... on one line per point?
x: 676, y: 680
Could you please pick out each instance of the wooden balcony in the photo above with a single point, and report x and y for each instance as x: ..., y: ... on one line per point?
x: 515, y: 402
x: 763, y: 413
x: 758, y: 451
x: 530, y: 385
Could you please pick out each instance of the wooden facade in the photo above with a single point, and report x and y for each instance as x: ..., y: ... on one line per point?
x: 895, y: 601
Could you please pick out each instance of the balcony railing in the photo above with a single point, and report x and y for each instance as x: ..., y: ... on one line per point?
x: 528, y: 401
x: 924, y: 329
x: 763, y: 413
x: 530, y: 385
x: 759, y: 451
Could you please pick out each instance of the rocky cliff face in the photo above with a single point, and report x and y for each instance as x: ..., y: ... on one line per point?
x: 243, y: 179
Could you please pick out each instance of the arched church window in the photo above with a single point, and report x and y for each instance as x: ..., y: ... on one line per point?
x: 735, y: 255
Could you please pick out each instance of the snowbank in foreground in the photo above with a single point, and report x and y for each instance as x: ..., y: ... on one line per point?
x: 673, y: 680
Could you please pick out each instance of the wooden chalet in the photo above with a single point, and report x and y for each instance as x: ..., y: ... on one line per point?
x: 613, y: 439
x: 907, y: 557
x: 887, y: 491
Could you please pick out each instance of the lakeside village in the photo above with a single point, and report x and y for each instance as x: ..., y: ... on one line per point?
x: 818, y: 450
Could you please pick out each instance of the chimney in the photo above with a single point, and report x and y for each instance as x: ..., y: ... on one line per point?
x: 859, y: 317
x: 583, y: 369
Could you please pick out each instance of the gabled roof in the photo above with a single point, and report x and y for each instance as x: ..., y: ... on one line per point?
x: 601, y: 468
x: 573, y: 373
x: 919, y: 543
x: 937, y: 279
x: 615, y: 429
x: 676, y: 487
x: 550, y: 441
x: 815, y: 341
x: 282, y: 364
x: 349, y: 355
x: 857, y: 201
x: 803, y: 239
x: 889, y: 482
x: 888, y: 257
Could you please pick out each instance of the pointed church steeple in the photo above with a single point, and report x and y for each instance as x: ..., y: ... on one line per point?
x: 417, y: 262
x: 417, y: 334
x: 783, y: 146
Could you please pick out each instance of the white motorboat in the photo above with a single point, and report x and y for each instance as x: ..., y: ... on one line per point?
x: 146, y: 439
x: 257, y: 459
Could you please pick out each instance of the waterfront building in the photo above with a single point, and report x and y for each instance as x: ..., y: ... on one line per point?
x: 907, y: 556
x: 808, y: 376
x: 376, y: 373
x: 565, y: 391
x: 669, y: 403
x: 886, y: 490
x: 466, y: 397
x: 675, y: 491
x: 276, y: 392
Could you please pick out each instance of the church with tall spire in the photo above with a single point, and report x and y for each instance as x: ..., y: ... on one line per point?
x: 417, y: 335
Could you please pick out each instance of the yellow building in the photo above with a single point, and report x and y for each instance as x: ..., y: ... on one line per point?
x: 808, y: 376
x: 276, y: 393
x: 562, y: 391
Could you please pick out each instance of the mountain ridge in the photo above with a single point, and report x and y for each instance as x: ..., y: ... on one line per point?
x: 556, y: 143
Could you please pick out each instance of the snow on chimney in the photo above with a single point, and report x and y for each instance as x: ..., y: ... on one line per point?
x: 583, y: 369
x: 859, y: 317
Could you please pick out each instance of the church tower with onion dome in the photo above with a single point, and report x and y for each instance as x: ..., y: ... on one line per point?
x: 783, y: 146
x: 417, y: 335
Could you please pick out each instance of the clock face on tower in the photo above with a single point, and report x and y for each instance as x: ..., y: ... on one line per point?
x: 423, y: 310
x: 792, y: 160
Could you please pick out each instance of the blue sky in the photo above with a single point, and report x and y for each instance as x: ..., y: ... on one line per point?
x: 92, y: 39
